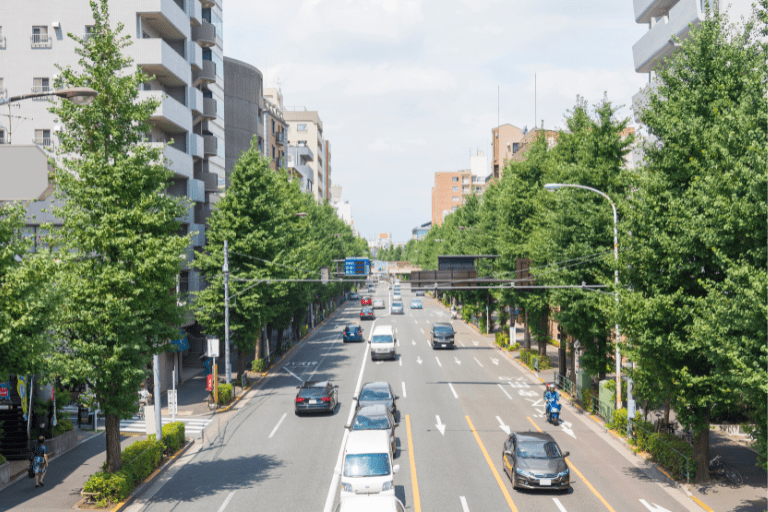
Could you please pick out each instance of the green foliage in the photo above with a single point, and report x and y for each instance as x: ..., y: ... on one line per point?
x: 119, y: 244
x: 140, y: 459
x: 225, y: 394
x: 259, y: 365
x: 527, y: 357
x: 62, y: 427
x: 173, y: 436
x: 109, y: 488
x: 620, y: 421
x: 2, y: 459
x: 586, y: 399
x: 502, y: 339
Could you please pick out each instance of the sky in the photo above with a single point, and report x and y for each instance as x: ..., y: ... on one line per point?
x: 407, y: 88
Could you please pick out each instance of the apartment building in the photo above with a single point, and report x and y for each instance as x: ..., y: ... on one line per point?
x: 328, y: 184
x: 504, y: 140
x: 179, y: 42
x: 244, y: 110
x: 305, y: 130
x: 275, y: 128
x: 420, y: 232
x: 452, y: 189
x: 531, y: 136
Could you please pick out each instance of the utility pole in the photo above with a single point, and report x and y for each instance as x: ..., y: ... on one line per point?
x: 158, y: 398
x: 225, y: 269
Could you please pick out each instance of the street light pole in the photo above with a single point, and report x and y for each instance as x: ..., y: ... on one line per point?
x: 554, y: 186
x: 225, y: 270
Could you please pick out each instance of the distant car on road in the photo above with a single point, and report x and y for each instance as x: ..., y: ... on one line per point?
x: 367, y: 314
x: 378, y: 393
x: 354, y: 296
x: 366, y: 300
x: 316, y: 396
x: 419, y: 293
x: 533, y: 460
x: 383, y: 343
x: 397, y: 296
x: 396, y: 308
x: 352, y: 332
x: 378, y: 303
x: 416, y: 304
x: 442, y: 335
x: 375, y: 417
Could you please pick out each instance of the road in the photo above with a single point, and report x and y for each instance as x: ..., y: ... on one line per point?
x: 455, y: 407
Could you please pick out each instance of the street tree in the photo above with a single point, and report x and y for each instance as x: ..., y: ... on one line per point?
x: 696, y: 258
x: 119, y: 248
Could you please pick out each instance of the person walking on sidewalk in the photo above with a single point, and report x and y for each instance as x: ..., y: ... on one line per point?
x: 40, y: 461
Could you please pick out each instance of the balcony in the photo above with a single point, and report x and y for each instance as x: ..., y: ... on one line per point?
x: 156, y: 57
x: 280, y: 138
x: 209, y: 108
x: 210, y: 180
x: 196, y: 145
x: 194, y: 55
x: 196, y: 190
x: 40, y: 41
x: 171, y: 116
x: 207, y: 3
x: 165, y: 17
x: 647, y: 9
x: 202, y: 213
x: 205, y: 34
x: 46, y: 142
x: 195, y: 12
x: 211, y: 145
x: 177, y: 161
x: 198, y: 234
x: 40, y: 89
x: 207, y: 75
x: 655, y: 44
x: 195, y: 101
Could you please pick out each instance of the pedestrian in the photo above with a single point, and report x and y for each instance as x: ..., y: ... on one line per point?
x: 40, y: 461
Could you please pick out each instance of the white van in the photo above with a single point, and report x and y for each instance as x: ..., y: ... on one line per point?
x: 367, y: 464
x: 382, y: 342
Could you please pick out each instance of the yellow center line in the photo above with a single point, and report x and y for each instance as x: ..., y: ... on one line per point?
x: 493, y: 468
x: 414, y: 481
x: 570, y: 464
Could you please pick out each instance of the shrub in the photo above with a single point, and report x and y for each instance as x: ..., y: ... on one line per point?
x: 225, y: 394
x: 586, y: 399
x: 664, y: 449
x: 109, y: 487
x: 502, y: 339
x: 620, y: 421
x: 514, y: 347
x: 139, y: 460
x: 2, y: 459
x: 259, y: 365
x: 173, y: 436
x: 62, y: 427
x: 304, y: 330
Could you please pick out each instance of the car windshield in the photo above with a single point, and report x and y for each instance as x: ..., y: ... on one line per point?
x: 539, y: 450
x: 370, y: 423
x: 312, y: 392
x: 397, y: 304
x: 382, y: 338
x: 443, y: 329
x: 375, y: 394
x: 353, y: 330
x: 415, y: 302
x: 366, y: 464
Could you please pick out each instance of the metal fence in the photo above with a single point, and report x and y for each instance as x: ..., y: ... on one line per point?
x: 662, y: 451
x: 603, y: 409
x: 566, y: 385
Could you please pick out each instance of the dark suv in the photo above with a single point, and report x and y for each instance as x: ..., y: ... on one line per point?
x: 442, y: 335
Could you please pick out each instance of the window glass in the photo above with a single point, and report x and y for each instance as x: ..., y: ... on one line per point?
x: 366, y: 464
x: 375, y: 393
x: 370, y: 422
x: 455, y: 179
x: 312, y: 392
x: 301, y: 127
x: 219, y: 64
x: 538, y: 450
x: 455, y: 198
x: 443, y: 329
x: 455, y: 189
x: 216, y: 21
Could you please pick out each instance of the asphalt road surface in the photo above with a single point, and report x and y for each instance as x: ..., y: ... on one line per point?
x: 455, y: 409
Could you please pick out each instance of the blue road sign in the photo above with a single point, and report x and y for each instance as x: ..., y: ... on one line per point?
x: 357, y: 266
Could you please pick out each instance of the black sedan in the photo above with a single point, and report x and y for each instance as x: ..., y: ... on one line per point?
x: 376, y: 417
x: 442, y: 335
x: 378, y: 393
x: 367, y: 313
x: 317, y: 396
x: 533, y: 460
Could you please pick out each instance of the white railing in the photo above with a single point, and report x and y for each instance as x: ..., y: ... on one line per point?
x: 2, y: 41
x: 43, y: 141
x: 37, y: 89
x: 40, y: 40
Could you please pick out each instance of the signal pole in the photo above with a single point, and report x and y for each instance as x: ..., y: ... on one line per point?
x: 225, y: 270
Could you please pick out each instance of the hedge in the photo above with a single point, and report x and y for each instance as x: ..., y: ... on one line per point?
x: 528, y: 355
x: 259, y: 365
x: 173, y: 436
x: 225, y: 394
x: 62, y: 427
x: 2, y: 459
x: 586, y: 399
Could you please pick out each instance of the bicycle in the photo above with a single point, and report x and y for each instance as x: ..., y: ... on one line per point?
x: 212, y: 405
x: 718, y: 468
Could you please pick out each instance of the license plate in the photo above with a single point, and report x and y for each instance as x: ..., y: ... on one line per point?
x: 313, y: 402
x: 544, y: 481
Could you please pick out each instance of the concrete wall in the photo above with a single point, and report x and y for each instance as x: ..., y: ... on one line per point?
x: 242, y: 99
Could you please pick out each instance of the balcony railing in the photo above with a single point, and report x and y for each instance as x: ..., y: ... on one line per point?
x: 43, y: 141
x: 211, y: 145
x: 209, y: 108
x: 204, y: 35
x: 2, y: 41
x: 280, y: 138
x: 207, y: 75
x: 41, y: 88
x: 40, y: 41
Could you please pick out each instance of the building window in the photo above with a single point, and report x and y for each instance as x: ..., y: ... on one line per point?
x: 515, y: 147
x: 273, y: 152
x: 301, y: 127
x: 465, y: 190
x: 89, y: 31
x: 455, y: 179
x: 43, y: 137
x: 273, y: 127
x: 455, y: 199
x: 41, y: 85
x: 40, y: 37
x: 455, y: 189
x: 302, y: 143
x: 455, y: 208
x: 2, y: 136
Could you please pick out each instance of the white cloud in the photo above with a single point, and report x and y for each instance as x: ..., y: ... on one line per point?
x: 380, y: 145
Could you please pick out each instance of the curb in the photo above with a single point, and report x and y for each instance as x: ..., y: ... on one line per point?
x: 642, y: 455
x: 159, y: 471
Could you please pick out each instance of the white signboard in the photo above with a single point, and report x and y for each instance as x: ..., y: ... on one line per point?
x: 173, y: 402
x: 149, y: 419
x: 213, y: 347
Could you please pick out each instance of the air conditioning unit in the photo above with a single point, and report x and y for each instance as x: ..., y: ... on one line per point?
x: 56, y: 129
x: 56, y: 24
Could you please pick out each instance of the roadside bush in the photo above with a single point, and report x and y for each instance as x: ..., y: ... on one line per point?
x: 225, y: 394
x: 620, y: 421
x: 173, y: 436
x: 514, y: 347
x: 304, y: 329
x: 139, y: 460
x: 62, y: 427
x: 664, y: 449
x: 109, y: 487
x: 2, y: 459
x: 643, y: 431
x: 586, y: 399
x: 502, y: 339
x: 259, y: 365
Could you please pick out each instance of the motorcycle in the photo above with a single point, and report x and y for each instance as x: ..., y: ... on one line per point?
x: 453, y: 314
x: 553, y: 412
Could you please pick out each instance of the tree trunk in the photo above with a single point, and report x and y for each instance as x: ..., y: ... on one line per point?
x: 543, y: 333
x: 240, y: 365
x: 112, y: 426
x: 573, y: 358
x: 701, y: 454
x: 666, y: 415
x: 527, y: 333
x: 280, y: 340
x: 601, y: 353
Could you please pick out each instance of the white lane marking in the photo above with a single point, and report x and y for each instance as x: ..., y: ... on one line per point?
x: 478, y: 362
x: 398, y: 342
x: 495, y: 361
x: 567, y: 428
x: 418, y: 360
x: 226, y: 501
x: 333, y: 489
x: 504, y: 427
x: 654, y: 507
x: 400, y: 360
x: 289, y: 371
x: 456, y: 359
x: 422, y: 331
x: 438, y: 362
x: 328, y: 351
x: 440, y: 426
x: 463, y: 501
x: 460, y: 343
x: 453, y: 390
x: 404, y: 394
x: 278, y: 425
x: 560, y: 506
x: 504, y: 391
x: 413, y: 342
x: 476, y: 342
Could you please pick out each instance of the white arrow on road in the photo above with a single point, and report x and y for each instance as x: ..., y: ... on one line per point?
x: 440, y: 426
x: 476, y: 343
x: 457, y: 360
x: 478, y: 362
x: 418, y: 360
x: 413, y: 342
x: 654, y: 507
x: 495, y: 361
x: 567, y: 427
x: 504, y: 427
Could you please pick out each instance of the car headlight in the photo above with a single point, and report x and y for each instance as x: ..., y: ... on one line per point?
x: 346, y: 487
x: 523, y: 472
x: 387, y: 486
x: 563, y: 473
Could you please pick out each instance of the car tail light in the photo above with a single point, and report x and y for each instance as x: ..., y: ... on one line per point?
x: 299, y: 399
x: 326, y: 399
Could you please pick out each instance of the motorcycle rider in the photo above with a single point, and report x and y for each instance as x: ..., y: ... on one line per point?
x: 453, y: 311
x: 551, y: 395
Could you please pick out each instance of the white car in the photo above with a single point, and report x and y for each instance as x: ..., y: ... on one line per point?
x: 367, y: 464
x: 371, y: 504
x: 382, y: 342
x: 397, y: 296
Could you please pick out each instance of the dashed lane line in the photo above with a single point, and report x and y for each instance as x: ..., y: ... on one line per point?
x: 493, y: 468
x: 453, y: 390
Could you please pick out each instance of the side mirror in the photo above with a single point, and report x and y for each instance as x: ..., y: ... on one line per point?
x: 395, y: 397
x: 397, y: 424
x: 509, y: 453
x: 396, y: 468
x: 566, y: 454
